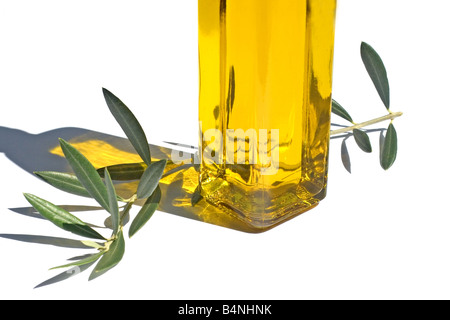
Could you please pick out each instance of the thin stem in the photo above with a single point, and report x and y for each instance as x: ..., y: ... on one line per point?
x: 349, y: 134
x: 390, y: 116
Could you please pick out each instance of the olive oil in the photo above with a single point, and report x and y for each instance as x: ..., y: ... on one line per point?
x: 265, y: 103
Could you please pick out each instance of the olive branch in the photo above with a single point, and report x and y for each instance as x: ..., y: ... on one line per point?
x: 388, y: 143
x: 86, y: 181
x: 98, y: 184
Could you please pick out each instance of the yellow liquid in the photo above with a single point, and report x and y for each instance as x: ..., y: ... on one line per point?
x: 266, y: 73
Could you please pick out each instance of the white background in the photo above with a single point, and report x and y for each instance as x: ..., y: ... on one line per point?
x: 377, y: 235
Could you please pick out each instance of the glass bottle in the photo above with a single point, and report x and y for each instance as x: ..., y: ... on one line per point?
x: 265, y: 103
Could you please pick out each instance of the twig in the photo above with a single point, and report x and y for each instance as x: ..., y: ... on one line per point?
x: 390, y: 116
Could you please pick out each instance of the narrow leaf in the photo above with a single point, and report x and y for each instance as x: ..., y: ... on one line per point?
x: 150, y: 179
x: 338, y: 110
x: 146, y: 212
x: 129, y: 125
x: 389, y: 148
x: 345, y: 156
x: 65, y: 182
x: 86, y: 174
x: 92, y: 244
x: 111, y: 257
x: 61, y: 217
x: 88, y: 260
x: 362, y: 140
x: 125, y: 172
x: 112, y: 200
x: 377, y: 72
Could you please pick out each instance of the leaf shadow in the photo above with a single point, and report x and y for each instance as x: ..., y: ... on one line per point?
x: 32, y: 212
x: 65, y: 275
x: 178, y: 184
x: 46, y: 240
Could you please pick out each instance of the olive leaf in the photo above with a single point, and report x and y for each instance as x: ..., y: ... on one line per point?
x: 146, y: 212
x: 129, y: 125
x: 113, y: 206
x: 150, y: 179
x: 69, y: 183
x: 362, y: 140
x: 86, y: 174
x: 345, y: 156
x: 110, y: 258
x: 389, y: 148
x: 338, y: 110
x: 377, y: 72
x: 62, y: 218
x: 87, y: 260
x: 92, y: 244
x: 65, y: 182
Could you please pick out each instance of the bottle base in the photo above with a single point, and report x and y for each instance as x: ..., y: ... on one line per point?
x: 260, y: 209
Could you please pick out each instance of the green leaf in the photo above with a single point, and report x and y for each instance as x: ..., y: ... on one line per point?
x: 146, y: 212
x: 129, y: 125
x: 111, y: 258
x: 113, y: 206
x: 362, y: 140
x: 377, y: 72
x: 92, y: 244
x: 62, y: 218
x: 86, y: 174
x: 88, y: 260
x: 65, y: 182
x: 389, y: 148
x: 69, y: 183
x: 345, y: 156
x: 338, y: 110
x: 150, y: 179
x: 125, y: 172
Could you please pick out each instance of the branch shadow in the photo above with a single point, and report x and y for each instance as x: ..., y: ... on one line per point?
x: 41, y: 152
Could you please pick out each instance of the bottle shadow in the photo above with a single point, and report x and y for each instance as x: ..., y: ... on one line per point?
x: 41, y: 152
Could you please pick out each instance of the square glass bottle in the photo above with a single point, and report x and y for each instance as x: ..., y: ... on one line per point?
x: 265, y: 105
